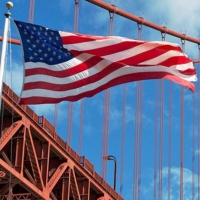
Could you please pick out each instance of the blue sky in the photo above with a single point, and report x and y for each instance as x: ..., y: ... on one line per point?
x: 175, y: 15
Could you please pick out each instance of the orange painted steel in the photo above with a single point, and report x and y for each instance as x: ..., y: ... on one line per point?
x: 43, y: 166
x: 12, y: 41
x: 140, y: 20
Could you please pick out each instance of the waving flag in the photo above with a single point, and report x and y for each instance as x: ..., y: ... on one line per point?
x: 62, y: 66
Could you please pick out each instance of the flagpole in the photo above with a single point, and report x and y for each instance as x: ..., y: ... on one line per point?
x: 9, y: 5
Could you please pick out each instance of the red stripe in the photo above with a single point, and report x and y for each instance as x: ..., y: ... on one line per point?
x: 188, y: 71
x: 80, y: 39
x: 76, y: 84
x: 117, y: 81
x: 175, y: 60
x: 140, y: 57
x: 115, y: 48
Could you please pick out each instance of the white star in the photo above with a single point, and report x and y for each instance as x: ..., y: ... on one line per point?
x: 51, y: 59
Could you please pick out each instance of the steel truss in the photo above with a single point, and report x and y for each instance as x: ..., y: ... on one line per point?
x: 35, y: 163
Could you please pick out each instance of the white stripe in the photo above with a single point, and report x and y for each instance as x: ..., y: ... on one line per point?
x: 61, y: 66
x: 125, y: 53
x: 91, y: 45
x: 81, y: 75
x: 120, y: 72
x: 112, y: 40
x: 138, y: 50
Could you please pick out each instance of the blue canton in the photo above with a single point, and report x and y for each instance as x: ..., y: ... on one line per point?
x: 42, y: 45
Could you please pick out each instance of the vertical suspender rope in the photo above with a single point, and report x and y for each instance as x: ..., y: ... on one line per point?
x: 76, y: 15
x: 69, y: 127
x: 81, y: 127
x: 138, y: 133
x: 136, y: 143
x: 123, y: 140
x: 199, y: 128
x: 141, y: 89
x: 170, y: 140
x: 31, y: 11
x: 182, y: 135
x: 193, y: 144
x: 106, y: 114
x: 76, y: 18
x: 71, y: 104
x: 55, y: 115
x: 161, y: 130
x: 161, y: 138
x: 156, y: 142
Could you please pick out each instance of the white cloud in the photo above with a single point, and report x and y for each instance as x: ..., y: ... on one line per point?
x: 175, y: 184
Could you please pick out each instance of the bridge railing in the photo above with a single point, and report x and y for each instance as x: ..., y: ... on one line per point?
x: 50, y: 130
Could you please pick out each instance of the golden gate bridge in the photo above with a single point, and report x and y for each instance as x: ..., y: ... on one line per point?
x: 36, y: 163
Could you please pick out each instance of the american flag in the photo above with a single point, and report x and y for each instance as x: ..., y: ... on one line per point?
x: 61, y: 66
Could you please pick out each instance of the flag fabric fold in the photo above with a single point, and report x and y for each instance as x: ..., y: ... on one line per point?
x: 63, y: 66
